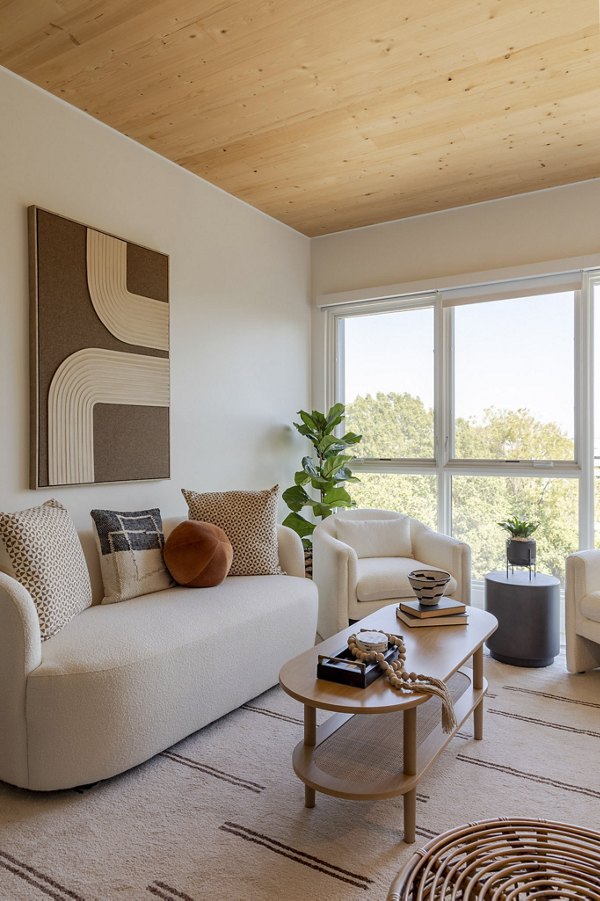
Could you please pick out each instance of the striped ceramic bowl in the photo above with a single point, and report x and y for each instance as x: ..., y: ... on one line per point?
x: 428, y: 585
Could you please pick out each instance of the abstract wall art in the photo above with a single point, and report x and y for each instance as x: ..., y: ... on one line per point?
x: 99, y: 308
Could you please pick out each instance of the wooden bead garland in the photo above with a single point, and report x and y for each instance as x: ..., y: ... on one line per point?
x: 405, y: 682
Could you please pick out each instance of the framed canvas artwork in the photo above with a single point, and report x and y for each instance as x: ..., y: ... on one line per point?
x: 99, y: 309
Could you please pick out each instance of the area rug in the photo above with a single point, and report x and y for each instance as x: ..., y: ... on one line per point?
x: 220, y: 816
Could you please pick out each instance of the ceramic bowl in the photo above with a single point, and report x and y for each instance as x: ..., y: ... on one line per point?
x: 428, y: 585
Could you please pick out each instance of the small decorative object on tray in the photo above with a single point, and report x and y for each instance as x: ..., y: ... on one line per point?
x: 428, y: 584
x: 446, y: 619
x: 346, y: 670
x: 444, y: 607
x: 372, y: 641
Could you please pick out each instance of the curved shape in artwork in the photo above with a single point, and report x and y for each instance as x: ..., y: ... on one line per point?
x: 86, y: 378
x: 131, y: 318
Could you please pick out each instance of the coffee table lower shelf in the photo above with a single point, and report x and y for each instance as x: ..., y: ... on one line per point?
x: 380, y: 755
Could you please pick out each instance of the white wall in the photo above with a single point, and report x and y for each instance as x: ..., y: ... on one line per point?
x: 524, y: 231
x: 515, y: 231
x: 240, y: 304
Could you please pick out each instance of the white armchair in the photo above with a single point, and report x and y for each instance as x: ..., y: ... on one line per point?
x: 362, y: 558
x: 582, y: 611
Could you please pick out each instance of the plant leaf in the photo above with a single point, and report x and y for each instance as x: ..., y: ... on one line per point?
x: 334, y: 416
x: 308, y: 420
x: 320, y: 421
x: 301, y: 526
x: 322, y: 510
x: 310, y: 467
x: 333, y: 464
x: 351, y: 438
x: 337, y: 497
x: 295, y: 497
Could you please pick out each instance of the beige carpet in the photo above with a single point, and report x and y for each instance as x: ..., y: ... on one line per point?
x: 221, y: 816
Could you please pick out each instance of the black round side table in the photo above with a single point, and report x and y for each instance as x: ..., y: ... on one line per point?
x: 527, y: 608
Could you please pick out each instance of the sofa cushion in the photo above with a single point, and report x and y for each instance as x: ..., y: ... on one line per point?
x: 131, y: 553
x: 376, y: 537
x: 198, y: 554
x: 590, y: 606
x: 249, y: 519
x: 386, y: 578
x: 46, y: 557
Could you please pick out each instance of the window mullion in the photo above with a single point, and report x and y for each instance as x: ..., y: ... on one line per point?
x: 584, y: 408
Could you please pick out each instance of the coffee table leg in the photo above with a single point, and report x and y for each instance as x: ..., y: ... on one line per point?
x: 310, y: 738
x: 410, y: 768
x: 478, y: 683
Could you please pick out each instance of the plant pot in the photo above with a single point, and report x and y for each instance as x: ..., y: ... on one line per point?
x: 521, y: 552
x: 308, y: 557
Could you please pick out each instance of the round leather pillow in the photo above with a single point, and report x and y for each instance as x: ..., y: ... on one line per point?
x: 198, y: 554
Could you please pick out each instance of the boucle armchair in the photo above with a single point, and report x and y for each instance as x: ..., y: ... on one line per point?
x: 362, y: 558
x: 582, y: 610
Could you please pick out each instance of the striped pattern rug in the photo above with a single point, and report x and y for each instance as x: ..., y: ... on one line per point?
x: 221, y: 815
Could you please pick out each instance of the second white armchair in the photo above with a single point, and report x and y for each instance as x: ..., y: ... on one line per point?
x: 362, y: 558
x: 582, y: 600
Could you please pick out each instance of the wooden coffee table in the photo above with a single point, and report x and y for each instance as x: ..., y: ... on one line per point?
x: 387, y: 752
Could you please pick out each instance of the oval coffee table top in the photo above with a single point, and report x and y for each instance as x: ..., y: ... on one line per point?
x: 432, y: 651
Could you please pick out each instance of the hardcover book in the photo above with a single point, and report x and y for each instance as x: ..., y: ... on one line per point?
x: 445, y: 607
x: 456, y: 619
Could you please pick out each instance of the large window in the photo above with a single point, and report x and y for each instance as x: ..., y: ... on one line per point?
x: 475, y: 405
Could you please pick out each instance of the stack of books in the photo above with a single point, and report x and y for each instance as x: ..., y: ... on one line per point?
x: 447, y: 612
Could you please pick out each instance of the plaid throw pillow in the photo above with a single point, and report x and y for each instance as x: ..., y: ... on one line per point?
x: 46, y: 557
x: 131, y: 553
x: 249, y: 519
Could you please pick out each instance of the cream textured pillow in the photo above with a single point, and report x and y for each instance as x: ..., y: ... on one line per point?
x: 47, y: 559
x: 131, y: 553
x: 249, y: 519
x: 376, y: 537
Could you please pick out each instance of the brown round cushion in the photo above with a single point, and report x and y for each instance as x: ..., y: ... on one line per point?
x: 198, y: 554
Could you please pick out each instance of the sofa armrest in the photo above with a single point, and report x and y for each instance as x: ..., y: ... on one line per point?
x: 20, y: 653
x: 446, y: 553
x: 334, y: 571
x: 291, y: 552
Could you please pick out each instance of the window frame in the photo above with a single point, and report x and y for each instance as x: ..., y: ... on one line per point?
x: 444, y: 465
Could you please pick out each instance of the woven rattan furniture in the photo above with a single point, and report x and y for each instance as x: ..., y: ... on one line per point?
x: 382, y: 756
x: 503, y: 860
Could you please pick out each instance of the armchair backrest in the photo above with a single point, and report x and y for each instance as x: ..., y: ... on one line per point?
x: 329, y: 525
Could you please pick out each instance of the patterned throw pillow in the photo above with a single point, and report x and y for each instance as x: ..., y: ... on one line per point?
x: 249, y: 519
x: 131, y: 553
x: 47, y: 559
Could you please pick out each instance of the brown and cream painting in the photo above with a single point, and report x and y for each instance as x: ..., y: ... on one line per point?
x: 99, y: 355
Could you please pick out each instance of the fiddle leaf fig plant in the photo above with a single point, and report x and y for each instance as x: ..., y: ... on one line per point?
x: 326, y: 472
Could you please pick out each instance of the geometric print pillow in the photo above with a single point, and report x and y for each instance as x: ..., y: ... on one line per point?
x: 131, y: 553
x: 249, y: 519
x: 46, y: 558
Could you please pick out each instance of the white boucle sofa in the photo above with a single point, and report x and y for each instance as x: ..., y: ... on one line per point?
x: 121, y: 682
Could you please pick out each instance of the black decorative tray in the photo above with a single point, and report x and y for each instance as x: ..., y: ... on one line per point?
x: 345, y: 669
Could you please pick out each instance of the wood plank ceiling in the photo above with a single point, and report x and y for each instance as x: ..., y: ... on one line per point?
x: 332, y: 114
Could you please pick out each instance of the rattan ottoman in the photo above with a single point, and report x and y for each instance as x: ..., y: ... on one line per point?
x: 504, y: 859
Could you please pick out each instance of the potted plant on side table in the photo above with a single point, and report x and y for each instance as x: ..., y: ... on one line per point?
x: 520, y: 547
x: 327, y: 473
